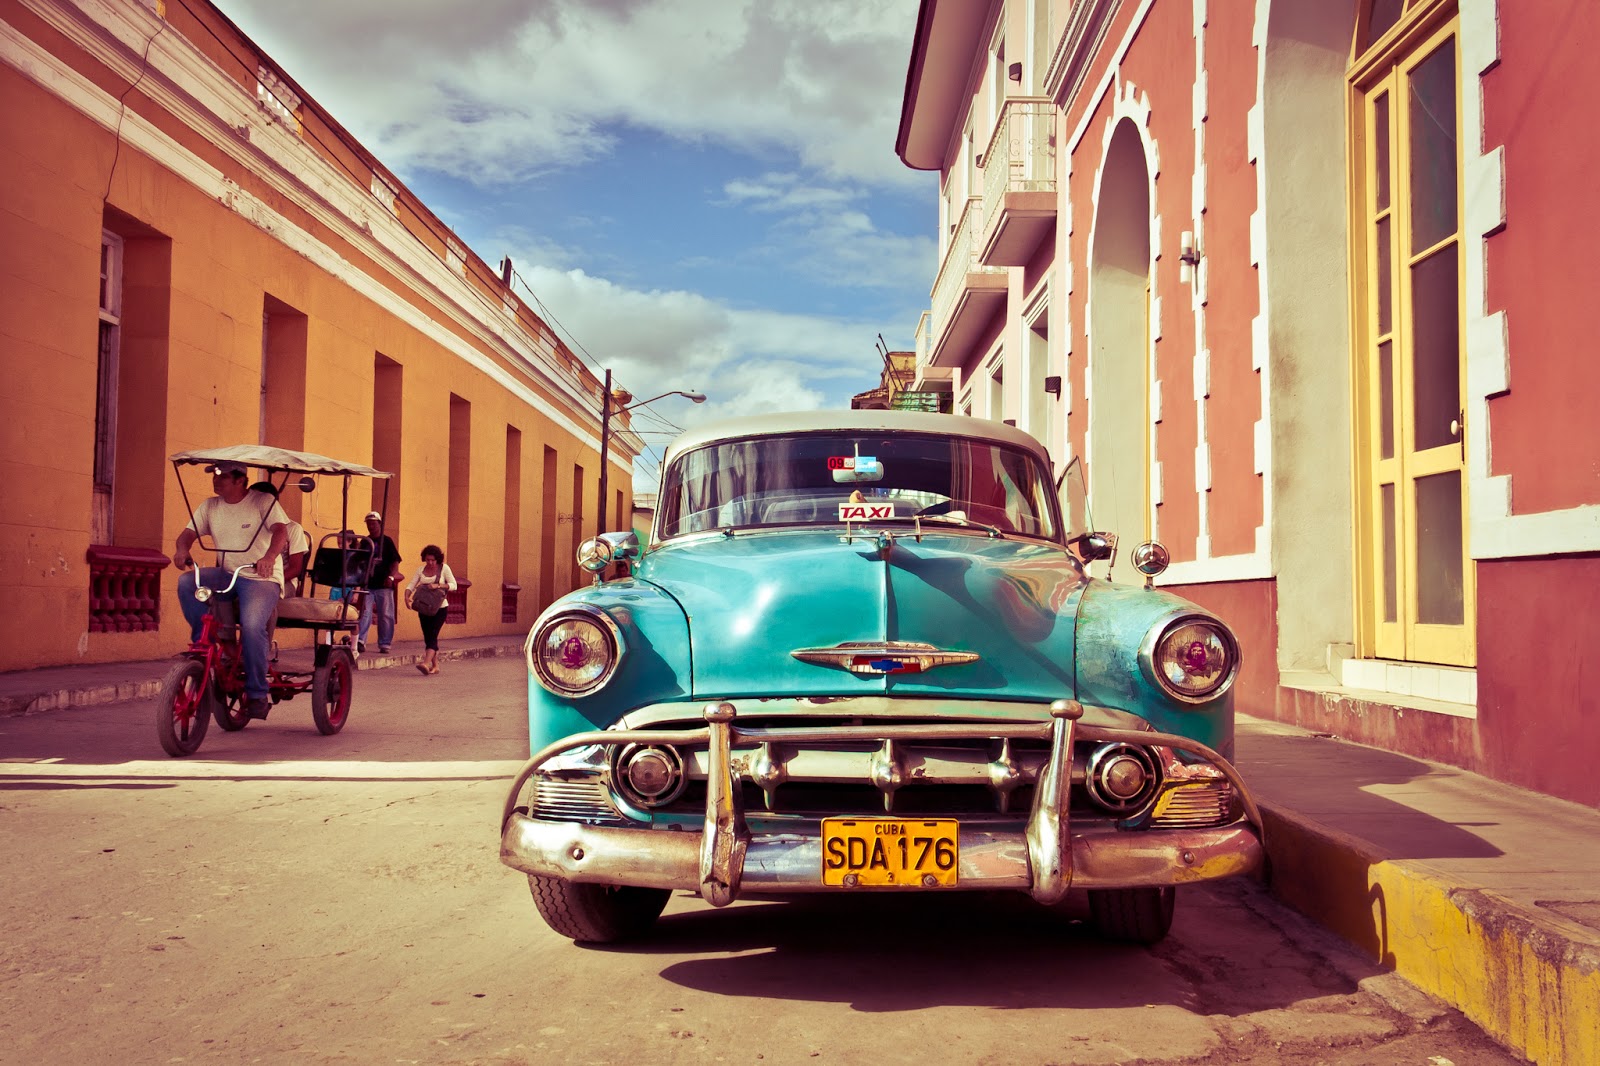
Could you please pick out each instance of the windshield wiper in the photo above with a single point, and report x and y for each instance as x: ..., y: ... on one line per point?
x: 958, y: 518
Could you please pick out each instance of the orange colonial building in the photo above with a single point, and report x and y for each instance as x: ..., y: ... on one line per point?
x: 1307, y: 284
x: 198, y: 255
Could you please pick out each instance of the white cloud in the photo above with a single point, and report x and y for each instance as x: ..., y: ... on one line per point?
x: 745, y: 361
x: 500, y: 90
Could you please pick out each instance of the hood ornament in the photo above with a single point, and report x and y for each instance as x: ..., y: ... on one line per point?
x: 878, y: 657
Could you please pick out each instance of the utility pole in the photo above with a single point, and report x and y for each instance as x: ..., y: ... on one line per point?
x: 605, y: 458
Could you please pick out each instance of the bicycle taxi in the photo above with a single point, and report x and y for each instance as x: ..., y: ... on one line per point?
x: 208, y: 681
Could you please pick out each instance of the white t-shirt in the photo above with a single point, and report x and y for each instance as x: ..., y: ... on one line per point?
x: 241, y: 531
x: 299, y: 540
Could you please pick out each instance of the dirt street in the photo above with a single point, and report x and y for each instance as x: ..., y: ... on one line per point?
x: 287, y: 897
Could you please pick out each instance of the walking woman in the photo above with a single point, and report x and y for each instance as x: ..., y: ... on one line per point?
x: 428, y: 595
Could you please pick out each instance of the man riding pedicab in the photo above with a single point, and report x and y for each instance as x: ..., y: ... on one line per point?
x: 249, y: 529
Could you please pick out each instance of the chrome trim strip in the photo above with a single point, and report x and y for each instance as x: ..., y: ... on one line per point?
x: 899, y: 653
x: 881, y: 707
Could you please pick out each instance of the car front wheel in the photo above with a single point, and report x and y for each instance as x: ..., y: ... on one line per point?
x: 596, y: 914
x: 1132, y: 915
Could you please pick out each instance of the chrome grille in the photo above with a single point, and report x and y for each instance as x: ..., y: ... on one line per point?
x: 1194, y: 807
x: 572, y: 801
x: 977, y: 777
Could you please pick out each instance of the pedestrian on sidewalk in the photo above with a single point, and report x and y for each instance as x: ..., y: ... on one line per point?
x: 429, y: 595
x: 385, y: 577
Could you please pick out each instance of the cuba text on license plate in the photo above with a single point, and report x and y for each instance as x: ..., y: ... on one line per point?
x: 901, y: 852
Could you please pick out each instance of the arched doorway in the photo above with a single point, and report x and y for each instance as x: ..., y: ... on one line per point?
x: 1119, y: 346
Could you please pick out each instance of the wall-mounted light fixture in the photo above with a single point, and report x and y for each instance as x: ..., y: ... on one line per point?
x: 1188, y: 257
x: 1052, y: 385
x: 1014, y: 72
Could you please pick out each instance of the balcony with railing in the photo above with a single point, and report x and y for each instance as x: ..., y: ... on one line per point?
x: 929, y: 378
x: 1019, y: 183
x: 967, y: 292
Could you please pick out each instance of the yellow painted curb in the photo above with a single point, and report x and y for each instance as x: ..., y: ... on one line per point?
x: 1530, y: 979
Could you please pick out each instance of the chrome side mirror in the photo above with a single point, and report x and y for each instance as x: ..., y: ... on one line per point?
x: 306, y: 484
x: 1092, y: 547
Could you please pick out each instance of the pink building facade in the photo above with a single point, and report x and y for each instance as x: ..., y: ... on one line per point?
x: 1304, y: 284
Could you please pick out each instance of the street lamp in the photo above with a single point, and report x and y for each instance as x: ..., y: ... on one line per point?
x: 605, y: 434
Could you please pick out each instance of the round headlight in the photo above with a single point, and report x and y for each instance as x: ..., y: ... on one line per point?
x: 574, y: 654
x: 1195, y: 659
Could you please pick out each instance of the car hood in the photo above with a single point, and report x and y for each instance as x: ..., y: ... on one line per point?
x: 753, y: 599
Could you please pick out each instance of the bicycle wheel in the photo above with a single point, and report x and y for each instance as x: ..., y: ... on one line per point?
x: 331, y: 688
x: 228, y: 708
x: 181, y: 717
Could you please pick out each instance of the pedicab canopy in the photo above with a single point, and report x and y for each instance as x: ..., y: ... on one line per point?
x: 268, y: 458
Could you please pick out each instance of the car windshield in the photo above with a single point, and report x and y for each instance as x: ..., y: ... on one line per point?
x: 830, y: 478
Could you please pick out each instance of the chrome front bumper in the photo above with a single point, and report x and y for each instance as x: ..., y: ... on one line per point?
x: 724, y: 859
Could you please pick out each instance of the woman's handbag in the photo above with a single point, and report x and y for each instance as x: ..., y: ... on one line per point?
x: 428, y: 599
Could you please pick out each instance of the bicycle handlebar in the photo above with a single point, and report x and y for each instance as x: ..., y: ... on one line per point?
x: 203, y: 593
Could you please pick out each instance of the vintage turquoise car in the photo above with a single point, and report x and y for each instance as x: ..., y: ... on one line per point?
x: 861, y: 652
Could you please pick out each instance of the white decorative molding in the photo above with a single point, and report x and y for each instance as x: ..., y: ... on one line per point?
x: 1217, y: 569
x: 1260, y: 334
x: 385, y: 192
x: 270, y: 154
x: 1455, y: 688
x: 1495, y: 531
x: 1200, y: 109
x: 280, y: 102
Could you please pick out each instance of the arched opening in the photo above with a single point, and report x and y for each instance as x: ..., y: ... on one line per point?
x: 1119, y: 346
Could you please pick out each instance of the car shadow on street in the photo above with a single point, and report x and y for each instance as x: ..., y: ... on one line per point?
x: 889, y: 952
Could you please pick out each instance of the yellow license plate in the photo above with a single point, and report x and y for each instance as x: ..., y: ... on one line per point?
x: 908, y: 853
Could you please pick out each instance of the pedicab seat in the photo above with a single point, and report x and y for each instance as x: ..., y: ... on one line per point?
x: 295, y: 611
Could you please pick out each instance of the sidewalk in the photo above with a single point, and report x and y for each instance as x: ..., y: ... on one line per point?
x: 53, y: 687
x: 1482, y: 894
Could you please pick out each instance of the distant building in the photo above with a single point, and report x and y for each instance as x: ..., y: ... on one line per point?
x: 1309, y: 286
x: 895, y: 392
x: 198, y: 255
x: 644, y: 515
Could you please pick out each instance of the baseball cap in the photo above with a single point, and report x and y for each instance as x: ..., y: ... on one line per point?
x: 373, y: 516
x: 236, y: 469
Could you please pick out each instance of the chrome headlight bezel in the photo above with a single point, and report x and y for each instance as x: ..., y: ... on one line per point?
x: 1151, y: 652
x: 611, y: 636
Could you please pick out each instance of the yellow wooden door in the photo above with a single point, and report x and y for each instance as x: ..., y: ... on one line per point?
x: 1418, y: 589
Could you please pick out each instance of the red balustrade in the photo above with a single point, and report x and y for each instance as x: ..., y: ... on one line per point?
x: 125, y: 589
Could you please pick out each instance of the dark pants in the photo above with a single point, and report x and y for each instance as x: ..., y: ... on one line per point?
x: 431, y: 624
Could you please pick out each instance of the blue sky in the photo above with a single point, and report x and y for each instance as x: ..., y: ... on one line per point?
x: 702, y: 193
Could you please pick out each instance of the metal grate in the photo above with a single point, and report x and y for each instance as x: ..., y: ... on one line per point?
x: 572, y: 801
x: 1194, y: 807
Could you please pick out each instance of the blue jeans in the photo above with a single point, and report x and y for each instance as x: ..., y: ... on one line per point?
x: 257, y: 600
x: 380, y: 601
